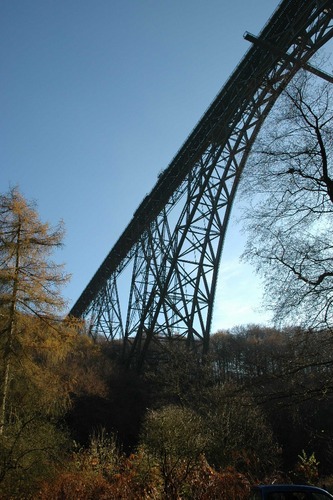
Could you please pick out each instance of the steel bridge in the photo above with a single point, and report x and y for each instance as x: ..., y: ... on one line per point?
x: 172, y: 247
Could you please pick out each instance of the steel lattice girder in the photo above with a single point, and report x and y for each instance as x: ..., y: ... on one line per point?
x: 174, y: 241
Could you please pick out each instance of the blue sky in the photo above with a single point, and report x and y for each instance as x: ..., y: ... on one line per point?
x: 96, y: 98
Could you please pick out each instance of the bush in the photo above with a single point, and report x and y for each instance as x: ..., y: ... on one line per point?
x: 175, y: 437
x: 29, y: 452
x: 102, y: 471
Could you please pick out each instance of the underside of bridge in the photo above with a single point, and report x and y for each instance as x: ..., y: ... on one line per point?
x: 170, y: 251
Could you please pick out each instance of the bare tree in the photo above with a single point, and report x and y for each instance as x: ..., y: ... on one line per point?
x: 176, y: 437
x: 289, y: 220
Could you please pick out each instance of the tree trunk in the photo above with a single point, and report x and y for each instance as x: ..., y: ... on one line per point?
x: 9, y: 347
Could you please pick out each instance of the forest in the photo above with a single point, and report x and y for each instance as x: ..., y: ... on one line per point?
x: 76, y: 423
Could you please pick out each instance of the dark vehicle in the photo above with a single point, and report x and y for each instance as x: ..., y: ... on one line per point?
x: 289, y: 492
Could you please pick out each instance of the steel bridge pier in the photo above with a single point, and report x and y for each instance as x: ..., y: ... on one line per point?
x: 172, y: 247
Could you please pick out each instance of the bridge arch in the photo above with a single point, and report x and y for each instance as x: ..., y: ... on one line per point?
x: 174, y: 242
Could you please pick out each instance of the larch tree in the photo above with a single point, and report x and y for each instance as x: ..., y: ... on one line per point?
x: 30, y: 281
x: 289, y: 182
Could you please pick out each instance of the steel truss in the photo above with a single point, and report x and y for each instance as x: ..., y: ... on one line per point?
x: 174, y: 242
